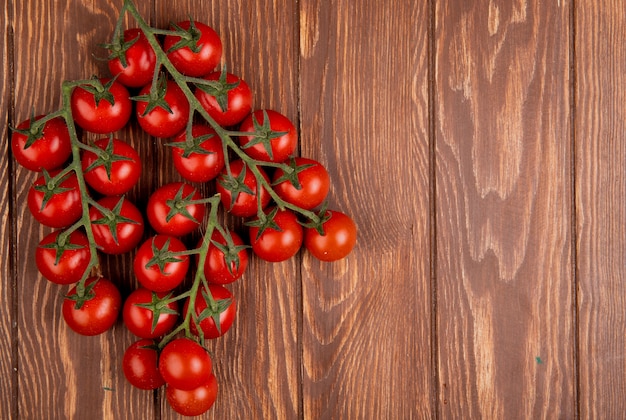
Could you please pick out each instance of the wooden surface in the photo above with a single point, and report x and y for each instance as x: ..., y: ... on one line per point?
x: 479, y: 146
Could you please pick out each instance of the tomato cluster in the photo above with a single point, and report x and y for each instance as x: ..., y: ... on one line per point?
x: 215, y: 135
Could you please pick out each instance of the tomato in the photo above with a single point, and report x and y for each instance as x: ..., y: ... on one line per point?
x: 306, y: 187
x: 203, y: 158
x: 193, y: 402
x: 185, y: 364
x: 115, y: 170
x: 97, y: 312
x: 275, y: 137
x: 147, y: 316
x: 132, y: 59
x: 45, y: 147
x: 228, y: 101
x: 217, y: 315
x: 277, y: 238
x: 337, y: 241
x: 140, y: 365
x: 238, y: 193
x: 63, y: 259
x: 103, y: 108
x: 224, y: 264
x: 121, y: 227
x: 55, y: 204
x: 155, y: 268
x: 198, y: 55
x: 174, y: 210
x: 163, y: 113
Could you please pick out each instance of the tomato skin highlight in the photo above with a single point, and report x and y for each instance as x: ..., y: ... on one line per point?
x: 140, y: 61
x: 72, y: 262
x: 125, y: 173
x: 139, y: 365
x: 63, y: 209
x: 50, y: 151
x: 173, y: 273
x: 337, y: 242
x: 98, y: 314
x: 193, y: 402
x: 104, y: 117
x: 139, y: 320
x: 185, y: 364
x: 278, y: 245
x: 195, y: 64
x: 199, y: 167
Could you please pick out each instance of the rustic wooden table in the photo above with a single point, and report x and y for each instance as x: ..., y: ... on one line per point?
x: 480, y: 148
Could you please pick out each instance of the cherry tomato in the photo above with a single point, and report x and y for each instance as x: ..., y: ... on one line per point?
x: 229, y: 102
x: 169, y: 116
x: 146, y: 316
x: 306, y: 187
x: 113, y: 172
x: 173, y: 209
x: 277, y: 241
x: 63, y: 259
x: 46, y: 147
x: 185, y: 364
x: 198, y: 55
x: 55, y: 204
x: 203, y: 159
x: 337, y: 241
x: 99, y: 310
x: 218, y: 316
x: 132, y: 59
x: 120, y: 229
x: 268, y: 144
x: 194, y: 402
x: 155, y: 269
x: 140, y: 365
x: 103, y: 108
x: 224, y: 264
x: 235, y: 191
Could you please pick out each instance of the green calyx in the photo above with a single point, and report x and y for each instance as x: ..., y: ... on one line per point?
x: 263, y: 134
x: 162, y: 256
x: 236, y: 185
x: 51, y: 187
x: 219, y: 89
x: 157, y: 306
x: 112, y: 218
x: 213, y: 310
x: 156, y: 97
x: 292, y: 174
x: 264, y: 222
x: 179, y: 204
x: 106, y: 158
x: 189, y: 38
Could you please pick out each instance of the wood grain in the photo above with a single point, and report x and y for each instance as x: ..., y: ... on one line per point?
x: 364, y: 114
x: 601, y: 194
x: 504, y: 261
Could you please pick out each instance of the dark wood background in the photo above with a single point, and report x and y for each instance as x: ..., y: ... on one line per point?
x: 479, y: 146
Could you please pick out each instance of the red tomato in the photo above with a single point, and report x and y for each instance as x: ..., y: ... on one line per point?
x: 268, y: 144
x: 155, y: 269
x: 159, y: 121
x: 194, y: 402
x: 63, y: 259
x: 55, y: 204
x: 228, y: 102
x: 115, y: 171
x: 120, y: 229
x: 140, y: 365
x: 238, y: 193
x: 132, y: 59
x: 278, y: 238
x: 198, y: 55
x: 306, y: 187
x: 101, y: 109
x: 337, y: 241
x: 173, y: 209
x: 203, y: 158
x: 217, y: 316
x: 46, y: 147
x: 185, y: 364
x: 99, y: 310
x: 146, y: 316
x: 224, y: 264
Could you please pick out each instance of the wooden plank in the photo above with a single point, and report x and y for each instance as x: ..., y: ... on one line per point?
x: 364, y: 114
x: 257, y: 362
x: 505, y: 321
x: 62, y: 375
x: 601, y: 193
x: 8, y: 404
